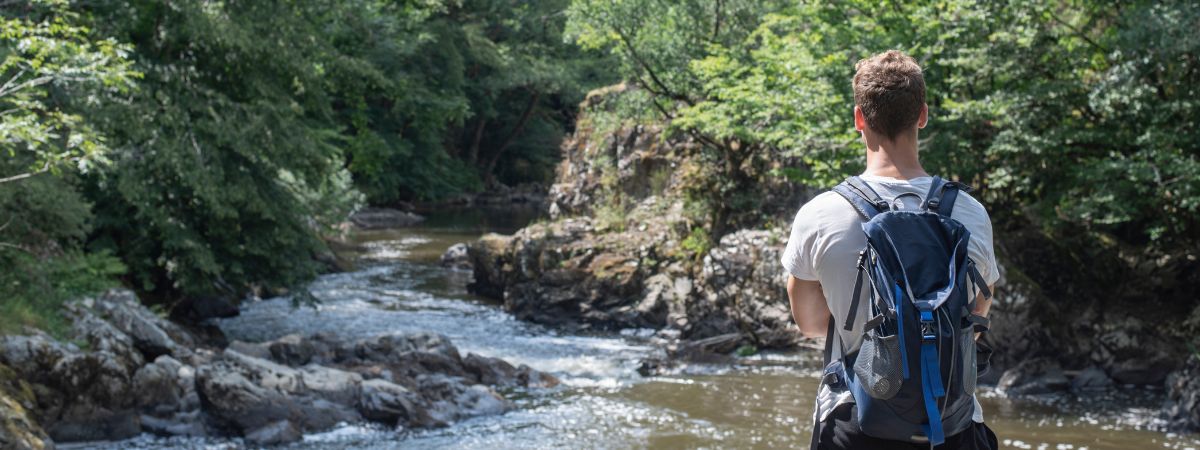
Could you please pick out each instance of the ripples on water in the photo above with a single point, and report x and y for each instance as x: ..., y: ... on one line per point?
x: 765, y: 402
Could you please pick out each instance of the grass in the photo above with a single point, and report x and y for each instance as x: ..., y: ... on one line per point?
x: 36, y: 288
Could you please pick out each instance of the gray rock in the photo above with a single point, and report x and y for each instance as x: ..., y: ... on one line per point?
x: 1091, y: 379
x: 292, y: 350
x: 456, y: 257
x: 449, y: 400
x: 275, y: 433
x: 149, y: 332
x: 377, y: 218
x: 166, y: 394
x: 391, y: 403
x: 1182, y: 408
x: 1034, y: 376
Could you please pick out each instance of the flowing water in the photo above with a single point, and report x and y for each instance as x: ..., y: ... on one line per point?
x: 764, y: 401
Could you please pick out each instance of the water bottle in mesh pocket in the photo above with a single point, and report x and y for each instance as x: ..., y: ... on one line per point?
x: 878, y: 365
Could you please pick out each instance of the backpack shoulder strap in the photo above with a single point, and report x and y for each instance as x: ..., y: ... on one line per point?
x: 942, y: 194
x: 864, y: 199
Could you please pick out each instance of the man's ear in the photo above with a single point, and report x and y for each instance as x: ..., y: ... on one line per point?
x: 924, y: 119
x: 860, y: 121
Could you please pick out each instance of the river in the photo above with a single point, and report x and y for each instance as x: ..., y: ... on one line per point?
x: 764, y: 401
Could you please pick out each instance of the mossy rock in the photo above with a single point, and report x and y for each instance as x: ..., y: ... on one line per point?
x: 18, y: 430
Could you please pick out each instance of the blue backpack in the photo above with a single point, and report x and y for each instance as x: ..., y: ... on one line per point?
x: 913, y: 377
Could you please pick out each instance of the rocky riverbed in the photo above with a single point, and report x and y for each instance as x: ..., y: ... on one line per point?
x: 125, y: 371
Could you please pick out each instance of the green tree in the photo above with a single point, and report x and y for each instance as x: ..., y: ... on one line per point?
x: 46, y: 55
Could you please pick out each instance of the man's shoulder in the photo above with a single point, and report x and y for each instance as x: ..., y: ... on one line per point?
x: 825, y: 208
x: 968, y: 208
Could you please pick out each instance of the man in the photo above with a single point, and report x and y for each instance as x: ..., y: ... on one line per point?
x: 827, y: 235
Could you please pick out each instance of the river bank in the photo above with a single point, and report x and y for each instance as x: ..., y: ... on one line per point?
x: 604, y: 400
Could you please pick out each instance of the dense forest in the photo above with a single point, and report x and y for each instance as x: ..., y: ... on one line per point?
x: 193, y: 148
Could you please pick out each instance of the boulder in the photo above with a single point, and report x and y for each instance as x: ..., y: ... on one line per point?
x: 1182, y: 408
x: 378, y: 218
x: 1033, y: 376
x: 1091, y: 379
x: 456, y: 257
x: 19, y: 429
x: 166, y: 394
x: 388, y: 402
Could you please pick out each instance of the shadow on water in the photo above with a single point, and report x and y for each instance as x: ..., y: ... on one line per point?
x: 765, y: 401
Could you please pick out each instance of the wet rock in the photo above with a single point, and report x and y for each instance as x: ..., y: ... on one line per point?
x: 449, y: 401
x: 1091, y: 379
x: 498, y: 372
x: 280, y: 432
x: 1034, y: 376
x: 377, y: 218
x: 387, y: 402
x: 1182, y: 408
x: 457, y: 257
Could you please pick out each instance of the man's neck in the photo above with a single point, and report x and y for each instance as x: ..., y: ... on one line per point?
x: 893, y: 158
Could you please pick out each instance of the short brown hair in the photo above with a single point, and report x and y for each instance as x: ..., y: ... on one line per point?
x: 890, y: 91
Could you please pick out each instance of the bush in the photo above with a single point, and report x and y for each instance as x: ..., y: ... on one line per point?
x: 37, y: 287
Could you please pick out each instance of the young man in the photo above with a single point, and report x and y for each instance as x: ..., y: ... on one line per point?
x: 827, y: 235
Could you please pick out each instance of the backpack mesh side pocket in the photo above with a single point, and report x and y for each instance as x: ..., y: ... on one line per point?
x: 878, y: 365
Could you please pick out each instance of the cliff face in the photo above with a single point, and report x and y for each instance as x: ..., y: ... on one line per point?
x: 621, y: 250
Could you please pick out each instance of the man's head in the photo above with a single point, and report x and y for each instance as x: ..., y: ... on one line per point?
x: 889, y: 94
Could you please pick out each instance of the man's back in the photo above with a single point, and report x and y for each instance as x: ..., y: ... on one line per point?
x: 827, y: 236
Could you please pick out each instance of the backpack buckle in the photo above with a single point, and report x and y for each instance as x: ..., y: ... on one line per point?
x: 933, y: 203
x: 928, y: 329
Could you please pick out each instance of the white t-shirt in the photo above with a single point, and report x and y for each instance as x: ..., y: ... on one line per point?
x: 827, y: 236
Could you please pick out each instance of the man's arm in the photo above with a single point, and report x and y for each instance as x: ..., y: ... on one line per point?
x: 809, y: 309
x: 982, y: 305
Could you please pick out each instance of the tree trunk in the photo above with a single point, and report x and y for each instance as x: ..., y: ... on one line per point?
x: 473, y: 152
x: 488, y: 175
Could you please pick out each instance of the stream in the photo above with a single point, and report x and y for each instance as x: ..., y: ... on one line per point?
x: 763, y: 401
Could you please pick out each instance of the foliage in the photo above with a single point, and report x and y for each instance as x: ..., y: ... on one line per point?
x: 233, y: 134
x: 698, y: 242
x: 36, y: 287
x: 45, y: 56
x: 1067, y: 114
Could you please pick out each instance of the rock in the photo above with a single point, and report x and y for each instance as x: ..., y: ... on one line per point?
x: 151, y: 334
x: 18, y: 428
x: 166, y: 393
x: 1182, y: 408
x: 449, y: 400
x: 291, y: 350
x: 1132, y: 352
x: 34, y: 356
x: 280, y: 432
x: 456, y: 257
x: 377, y: 218
x: 394, y: 404
x: 1091, y: 379
x: 1033, y: 376
x: 239, y: 400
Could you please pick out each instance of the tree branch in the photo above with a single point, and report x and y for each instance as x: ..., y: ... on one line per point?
x: 44, y: 169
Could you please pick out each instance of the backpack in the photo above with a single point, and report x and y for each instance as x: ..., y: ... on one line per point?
x: 913, y: 378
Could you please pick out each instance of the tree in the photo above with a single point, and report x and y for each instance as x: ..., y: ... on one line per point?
x: 46, y: 55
